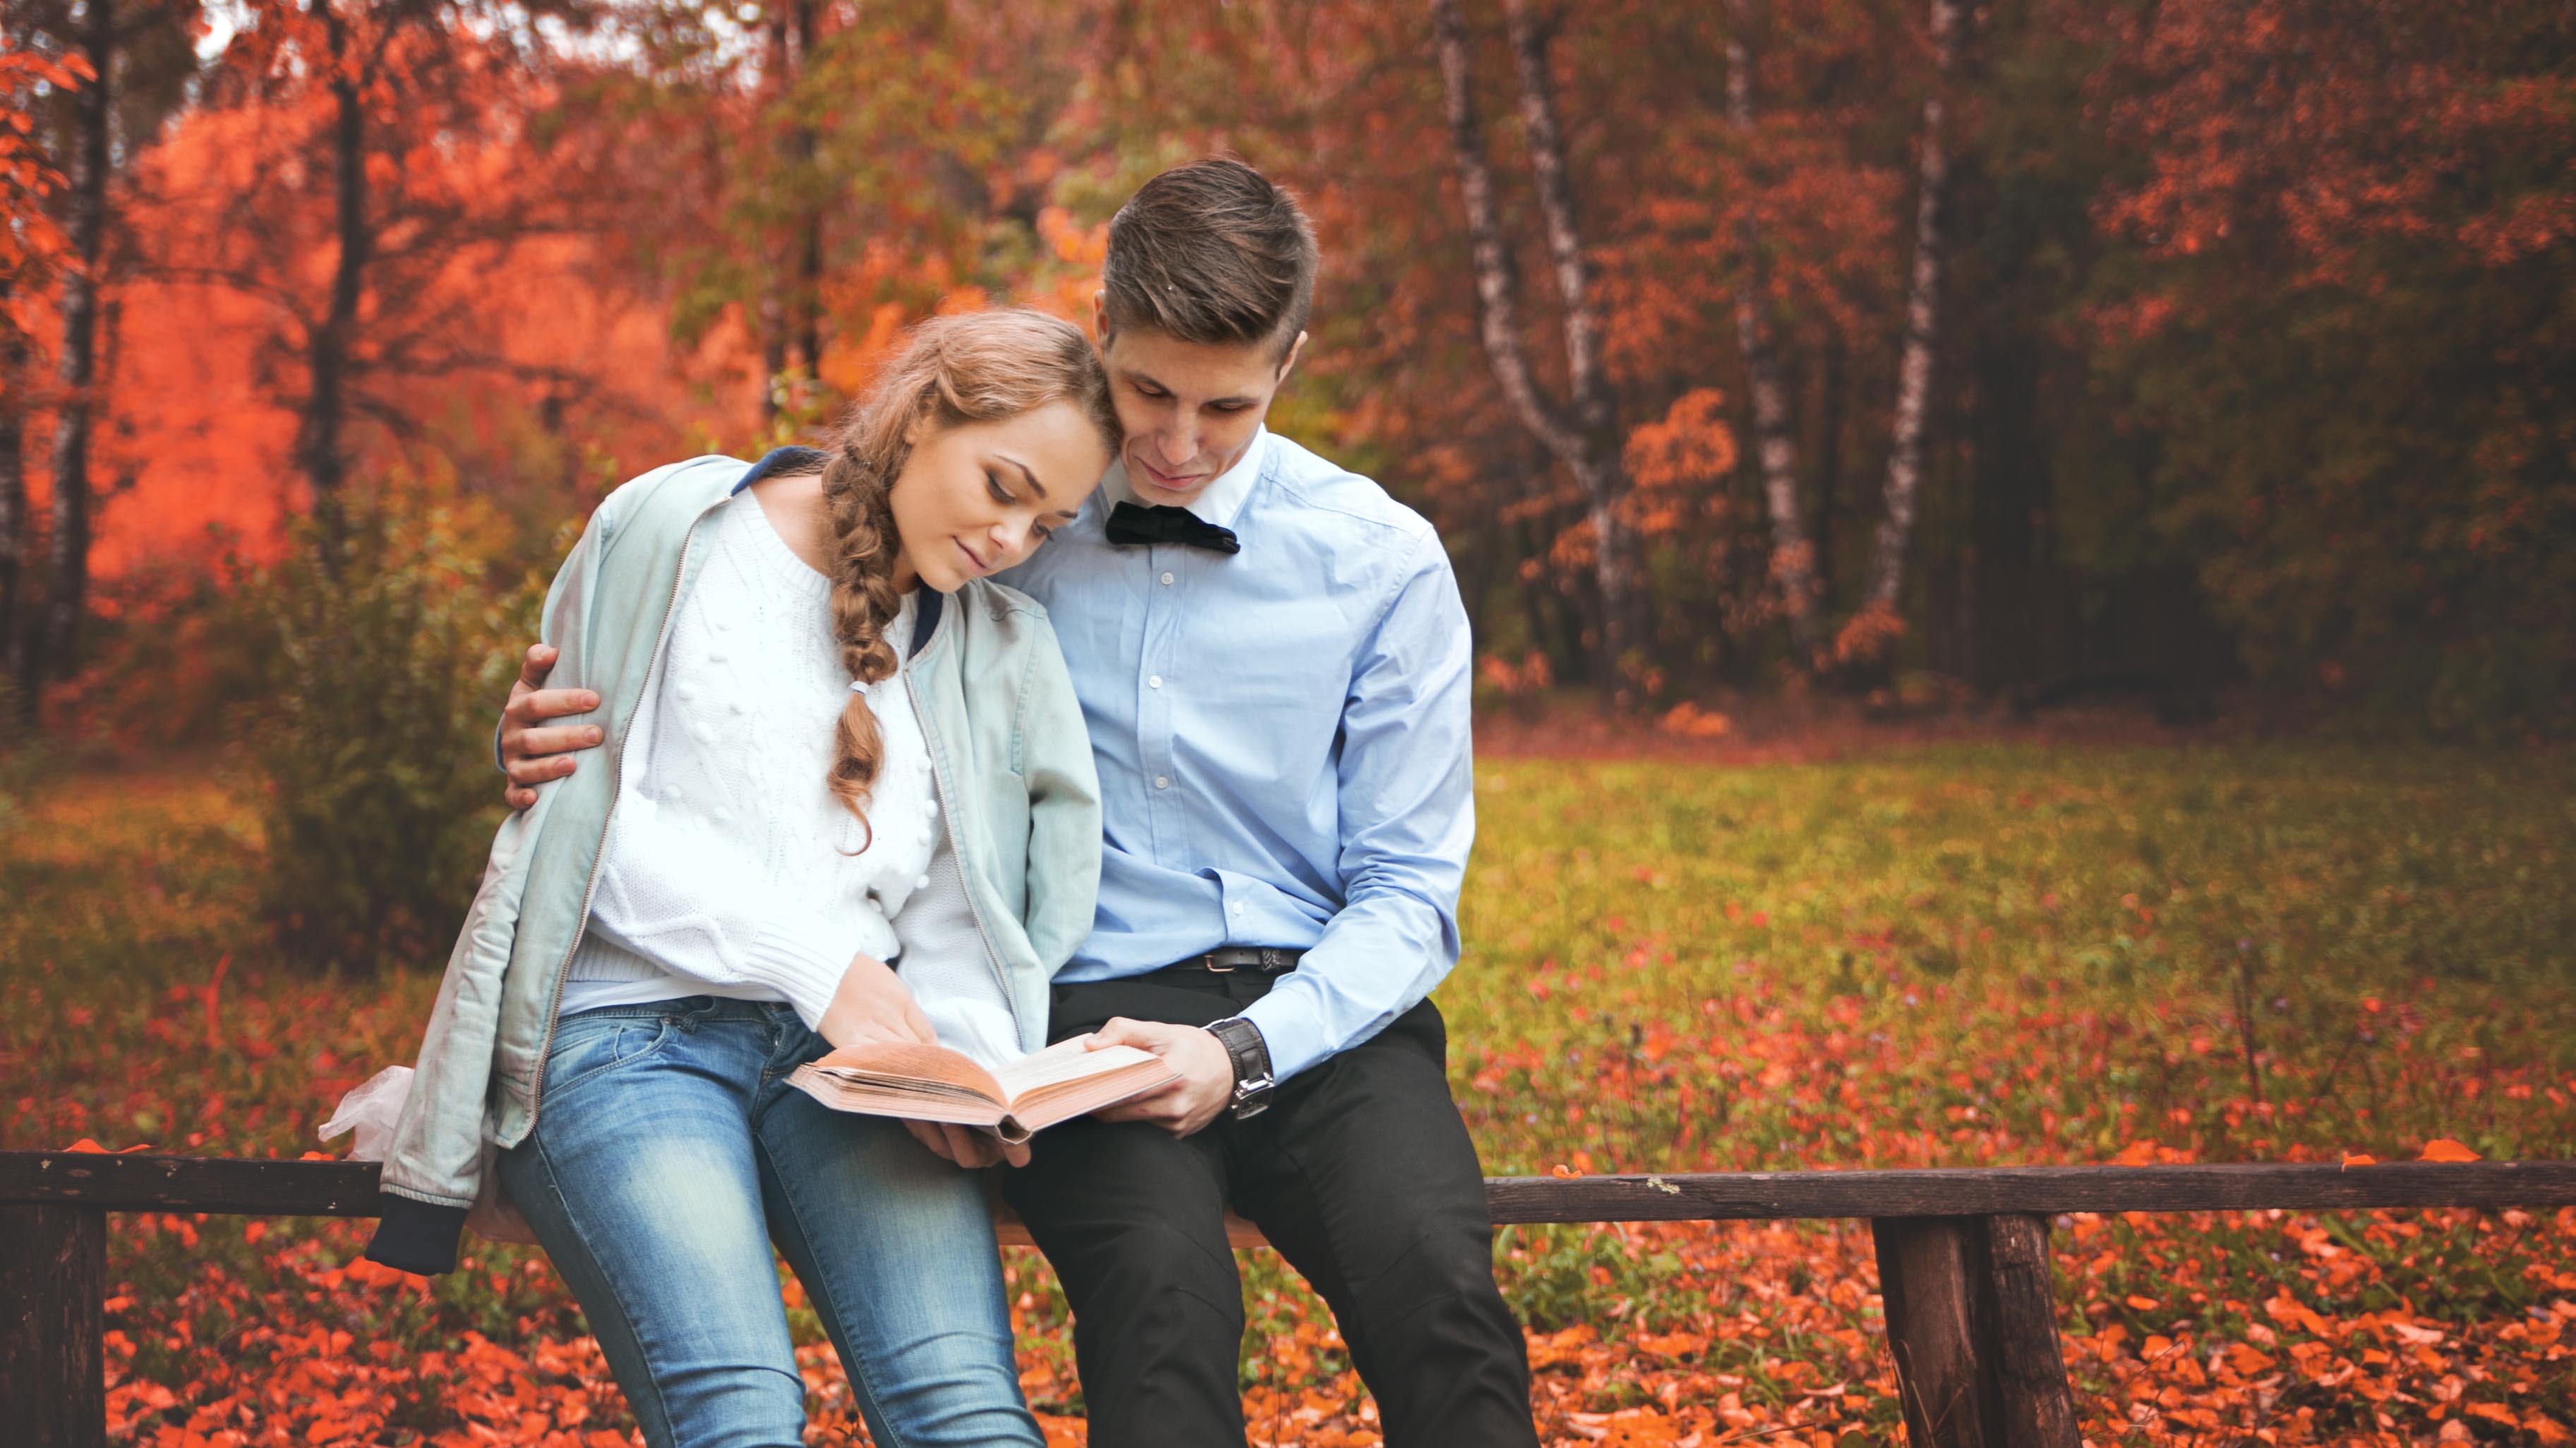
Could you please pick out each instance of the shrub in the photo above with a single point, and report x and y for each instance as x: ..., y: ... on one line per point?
x: 395, y: 643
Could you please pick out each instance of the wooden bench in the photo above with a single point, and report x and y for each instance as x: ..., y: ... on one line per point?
x: 1962, y: 1256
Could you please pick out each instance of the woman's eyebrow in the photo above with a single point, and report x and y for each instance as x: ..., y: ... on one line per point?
x: 1034, y: 485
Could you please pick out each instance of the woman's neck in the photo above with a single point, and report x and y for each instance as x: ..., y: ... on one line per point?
x: 793, y: 503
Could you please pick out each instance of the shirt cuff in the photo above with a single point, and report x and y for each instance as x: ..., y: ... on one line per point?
x: 804, y: 958
x: 1288, y: 1027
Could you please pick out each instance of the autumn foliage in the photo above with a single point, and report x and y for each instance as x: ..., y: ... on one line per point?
x: 1971, y: 956
x: 2249, y: 375
x: 2245, y: 360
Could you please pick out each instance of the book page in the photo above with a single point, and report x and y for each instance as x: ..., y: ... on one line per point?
x: 1068, y: 1060
x: 900, y: 1062
x: 933, y: 1083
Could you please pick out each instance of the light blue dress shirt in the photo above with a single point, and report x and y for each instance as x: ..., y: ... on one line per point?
x: 1283, y: 741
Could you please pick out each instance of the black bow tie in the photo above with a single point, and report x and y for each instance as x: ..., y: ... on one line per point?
x: 1131, y: 524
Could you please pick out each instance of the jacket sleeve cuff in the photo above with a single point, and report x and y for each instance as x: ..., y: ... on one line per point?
x: 804, y: 958
x: 416, y: 1236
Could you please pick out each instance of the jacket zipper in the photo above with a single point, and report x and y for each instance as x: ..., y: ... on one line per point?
x: 616, y: 787
x: 948, y: 823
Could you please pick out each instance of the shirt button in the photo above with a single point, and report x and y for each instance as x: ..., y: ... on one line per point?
x: 1167, y: 580
x: 921, y: 882
x: 1162, y: 781
x: 1236, y: 907
x: 930, y: 806
x: 1154, y: 682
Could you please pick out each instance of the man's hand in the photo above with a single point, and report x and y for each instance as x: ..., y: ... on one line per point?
x: 530, y: 754
x: 1206, y: 1086
x: 873, y: 1004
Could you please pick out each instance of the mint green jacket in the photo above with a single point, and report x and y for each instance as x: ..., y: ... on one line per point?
x: 1009, y: 756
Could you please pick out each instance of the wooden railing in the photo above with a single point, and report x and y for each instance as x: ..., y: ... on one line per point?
x: 1962, y: 1256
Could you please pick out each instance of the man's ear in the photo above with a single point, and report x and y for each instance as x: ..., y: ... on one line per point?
x: 1294, y: 350
x: 1100, y: 318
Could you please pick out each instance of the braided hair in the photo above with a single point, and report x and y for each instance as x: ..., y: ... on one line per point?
x: 975, y: 367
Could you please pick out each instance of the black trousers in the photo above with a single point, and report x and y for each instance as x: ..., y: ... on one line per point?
x: 1362, y: 1175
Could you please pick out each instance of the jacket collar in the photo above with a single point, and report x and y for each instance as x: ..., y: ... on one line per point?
x: 787, y: 461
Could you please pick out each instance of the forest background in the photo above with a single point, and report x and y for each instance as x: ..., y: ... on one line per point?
x: 2210, y: 345
x: 1758, y: 361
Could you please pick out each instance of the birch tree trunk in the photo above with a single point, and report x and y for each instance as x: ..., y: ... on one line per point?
x: 1922, y: 317
x: 85, y: 228
x: 1601, y: 470
x: 1583, y: 434
x: 1775, y: 449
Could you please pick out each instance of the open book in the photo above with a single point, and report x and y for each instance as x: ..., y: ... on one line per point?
x: 934, y: 1083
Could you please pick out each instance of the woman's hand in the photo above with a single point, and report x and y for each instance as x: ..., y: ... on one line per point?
x: 873, y: 1004
x: 965, y: 1145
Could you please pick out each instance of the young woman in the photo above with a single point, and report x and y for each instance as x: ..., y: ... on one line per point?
x: 834, y: 744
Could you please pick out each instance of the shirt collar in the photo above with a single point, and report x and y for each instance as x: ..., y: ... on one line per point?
x: 1219, y: 501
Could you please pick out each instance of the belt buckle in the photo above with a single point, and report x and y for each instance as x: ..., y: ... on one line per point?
x: 1210, y: 961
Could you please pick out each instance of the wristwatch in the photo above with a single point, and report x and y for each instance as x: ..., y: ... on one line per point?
x: 1251, y: 1055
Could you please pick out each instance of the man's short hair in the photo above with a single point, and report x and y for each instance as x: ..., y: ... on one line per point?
x: 1213, y: 253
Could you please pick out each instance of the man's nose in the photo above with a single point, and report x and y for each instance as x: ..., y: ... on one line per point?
x: 1177, y: 445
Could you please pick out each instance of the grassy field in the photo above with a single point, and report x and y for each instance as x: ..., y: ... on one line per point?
x: 1963, y: 955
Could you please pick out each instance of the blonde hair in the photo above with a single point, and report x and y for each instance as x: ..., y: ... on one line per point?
x: 977, y: 367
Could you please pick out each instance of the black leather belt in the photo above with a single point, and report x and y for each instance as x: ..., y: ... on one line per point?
x: 1260, y: 959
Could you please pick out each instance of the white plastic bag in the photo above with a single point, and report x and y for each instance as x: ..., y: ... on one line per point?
x: 372, y: 1109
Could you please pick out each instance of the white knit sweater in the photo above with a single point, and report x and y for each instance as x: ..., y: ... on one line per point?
x: 730, y: 869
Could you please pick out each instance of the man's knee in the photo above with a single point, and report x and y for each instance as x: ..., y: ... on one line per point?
x: 1448, y: 1262
x: 1152, y: 1277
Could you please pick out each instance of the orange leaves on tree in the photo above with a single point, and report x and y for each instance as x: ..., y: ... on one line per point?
x: 1674, y: 460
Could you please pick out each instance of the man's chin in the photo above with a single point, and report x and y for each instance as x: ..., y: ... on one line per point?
x: 1155, y: 494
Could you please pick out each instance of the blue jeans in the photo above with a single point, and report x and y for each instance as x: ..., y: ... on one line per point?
x: 671, y: 1153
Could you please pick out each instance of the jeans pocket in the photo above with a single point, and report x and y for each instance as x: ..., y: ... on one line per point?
x: 586, y: 1049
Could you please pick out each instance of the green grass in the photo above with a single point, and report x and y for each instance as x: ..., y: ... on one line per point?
x: 1951, y: 956
x: 1920, y: 932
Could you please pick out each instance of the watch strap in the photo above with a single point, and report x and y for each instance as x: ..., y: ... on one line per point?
x: 1251, y: 1057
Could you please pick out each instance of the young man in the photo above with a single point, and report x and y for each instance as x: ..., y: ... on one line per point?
x: 1273, y: 664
